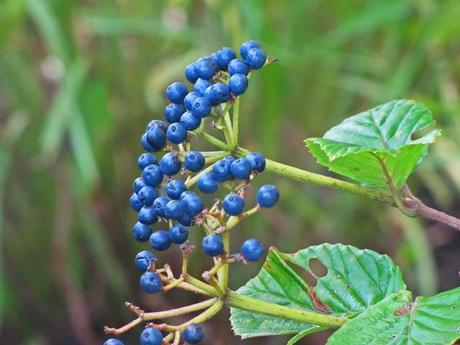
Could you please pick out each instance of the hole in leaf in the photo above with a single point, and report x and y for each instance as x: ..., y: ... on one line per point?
x: 317, y: 268
x: 421, y: 132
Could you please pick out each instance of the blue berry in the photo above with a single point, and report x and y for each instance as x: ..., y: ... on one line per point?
x: 194, y: 161
x: 188, y: 100
x: 257, y: 161
x: 160, y: 240
x: 201, y: 85
x: 113, y: 341
x: 255, y: 58
x: 252, y: 249
x: 246, y: 46
x: 217, y: 93
x: 224, y: 56
x: 156, y: 137
x: 213, y: 245
x: 238, y: 66
x: 159, y: 206
x: 201, y: 107
x: 186, y: 219
x: 135, y: 202
x: 170, y: 164
x: 192, y: 203
x: 151, y: 336
x: 176, y: 92
x: 193, y: 334
x: 268, y: 195
x: 147, y: 195
x: 150, y: 282
x: 189, y: 121
x: 221, y: 169
x: 190, y: 73
x: 175, y: 188
x: 147, y: 215
x: 173, y: 112
x: 138, y: 184
x: 241, y: 168
x: 238, y: 84
x: 177, y: 133
x: 233, y: 204
x: 141, y: 232
x: 145, y: 144
x: 174, y: 209
x: 146, y: 159
x: 144, y: 259
x: 178, y: 234
x: 207, y: 183
x: 152, y: 175
x: 157, y: 123
x: 206, y: 67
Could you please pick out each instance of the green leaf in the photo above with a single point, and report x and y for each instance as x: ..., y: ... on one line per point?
x: 397, y: 320
x: 355, y: 280
x: 388, y: 134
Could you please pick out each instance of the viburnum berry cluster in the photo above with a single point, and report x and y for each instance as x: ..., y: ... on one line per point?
x: 170, y: 194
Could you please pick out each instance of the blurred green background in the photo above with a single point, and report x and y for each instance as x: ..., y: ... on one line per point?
x: 80, y: 79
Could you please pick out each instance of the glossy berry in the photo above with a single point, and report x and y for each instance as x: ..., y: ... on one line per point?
x: 145, y: 144
x: 257, y: 161
x: 175, y: 188
x: 176, y: 133
x: 176, y: 92
x: 207, y: 183
x: 145, y: 160
x: 268, y: 195
x: 178, y: 234
x: 147, y: 195
x: 147, y: 215
x: 113, y: 341
x: 135, y: 202
x: 252, y: 250
x: 174, y: 209
x: 255, y: 58
x: 141, y: 232
x: 201, y: 107
x: 157, y: 123
x: 233, y: 204
x: 170, y: 164
x: 201, y: 85
x: 151, y: 336
x: 192, y: 203
x: 193, y: 334
x: 213, y: 245
x: 238, y: 84
x: 152, y: 175
x: 189, y: 121
x: 138, y: 184
x: 160, y: 240
x: 188, y: 100
x: 241, y: 168
x: 150, y: 282
x: 156, y: 137
x: 144, y: 259
x: 238, y: 66
x: 190, y: 73
x: 246, y: 46
x: 224, y: 56
x: 205, y: 68
x: 159, y: 206
x: 194, y: 161
x: 173, y: 112
x: 217, y: 93
x: 221, y: 169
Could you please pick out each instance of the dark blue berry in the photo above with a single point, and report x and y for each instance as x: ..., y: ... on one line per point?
x: 138, y: 184
x: 238, y: 66
x: 141, y: 232
x: 213, y: 245
x: 113, y: 341
x: 217, y: 93
x: 246, y: 46
x: 170, y: 164
x: 186, y: 219
x: 147, y: 215
x: 135, y: 202
x: 174, y: 209
x: 175, y: 188
x: 159, y: 206
x: 150, y: 282
x: 156, y: 137
x: 176, y: 92
x: 189, y: 121
x: 201, y: 107
x: 152, y: 175
x: 193, y: 334
x: 194, y: 161
x: 241, y: 168
x: 145, y: 144
x: 177, y: 133
x: 257, y: 161
x: 188, y: 100
x: 221, y: 169
x: 233, y: 204
x: 146, y: 159
x: 252, y: 249
x: 206, y: 67
x: 268, y: 195
x: 192, y: 203
x: 147, y: 195
x: 207, y: 183
x: 160, y: 240
x: 144, y: 259
x: 238, y: 84
x: 190, y: 73
x: 157, y: 123
x: 255, y: 58
x: 151, y: 336
x: 224, y: 56
x: 173, y: 112
x: 201, y: 85
x: 178, y: 234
